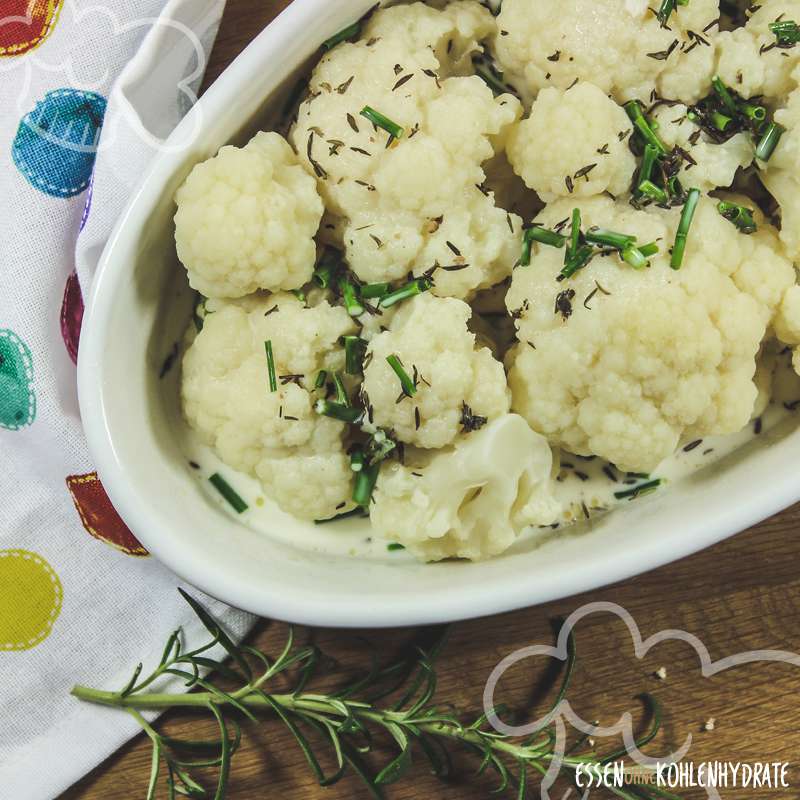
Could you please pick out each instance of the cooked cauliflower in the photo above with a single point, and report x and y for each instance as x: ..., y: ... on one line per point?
x: 469, y: 501
x: 298, y: 455
x: 629, y: 362
x: 715, y: 164
x: 410, y: 204
x: 246, y: 220
x: 430, y: 337
x: 545, y: 158
x: 608, y: 42
x: 748, y: 59
x: 780, y: 174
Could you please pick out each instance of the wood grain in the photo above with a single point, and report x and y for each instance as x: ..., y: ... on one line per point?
x: 743, y: 594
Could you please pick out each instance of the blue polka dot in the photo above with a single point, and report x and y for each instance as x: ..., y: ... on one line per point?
x: 56, y: 143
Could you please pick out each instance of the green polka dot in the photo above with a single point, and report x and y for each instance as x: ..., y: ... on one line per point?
x: 17, y: 397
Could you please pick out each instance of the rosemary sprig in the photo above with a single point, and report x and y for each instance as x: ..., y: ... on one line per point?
x: 416, y: 722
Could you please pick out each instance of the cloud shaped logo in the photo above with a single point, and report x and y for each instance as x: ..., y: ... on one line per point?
x: 563, y: 713
x: 173, y: 56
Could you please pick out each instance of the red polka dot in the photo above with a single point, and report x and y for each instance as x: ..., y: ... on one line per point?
x: 98, y: 515
x: 72, y: 315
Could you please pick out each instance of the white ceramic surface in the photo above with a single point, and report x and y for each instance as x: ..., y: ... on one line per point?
x: 139, y: 306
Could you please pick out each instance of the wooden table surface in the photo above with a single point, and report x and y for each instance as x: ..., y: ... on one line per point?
x: 743, y: 594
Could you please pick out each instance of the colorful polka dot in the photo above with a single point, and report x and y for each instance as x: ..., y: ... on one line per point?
x: 72, y: 316
x: 26, y: 24
x: 56, y: 143
x: 17, y: 395
x: 30, y: 599
x: 99, y: 517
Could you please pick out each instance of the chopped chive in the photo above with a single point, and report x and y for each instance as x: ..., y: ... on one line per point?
x: 365, y: 485
x: 410, y: 289
x: 609, y: 238
x: 675, y: 188
x: 326, y: 270
x: 376, y: 118
x: 648, y: 250
x: 719, y: 120
x: 656, y: 193
x: 635, y: 257
x: 740, y: 216
x: 409, y: 389
x: 355, y: 512
x: 342, y: 36
x: 541, y: 235
x: 665, y: 10
x: 574, y: 235
x: 350, y: 297
x: 273, y: 378
x: 683, y: 228
x: 724, y: 95
x: 769, y: 141
x: 343, y: 413
x: 638, y: 491
x: 373, y: 290
x: 380, y: 445
x: 228, y: 492
x: 578, y: 261
x: 354, y: 350
x: 648, y: 162
x: 394, y: 546
x: 787, y: 32
x: 756, y: 113
x: 341, y: 392
x: 357, y: 460
x: 322, y: 379
x: 645, y: 129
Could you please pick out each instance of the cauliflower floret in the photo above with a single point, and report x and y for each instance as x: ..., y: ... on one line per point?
x: 470, y: 501
x: 246, y: 220
x: 780, y: 173
x: 544, y: 153
x: 417, y: 202
x: 749, y: 61
x: 298, y: 455
x: 715, y: 164
x: 430, y: 337
x: 624, y: 363
x: 608, y: 42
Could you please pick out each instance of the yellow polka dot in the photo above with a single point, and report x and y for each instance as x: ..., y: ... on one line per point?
x: 30, y: 599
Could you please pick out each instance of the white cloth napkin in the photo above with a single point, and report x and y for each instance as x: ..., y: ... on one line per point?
x: 87, y: 91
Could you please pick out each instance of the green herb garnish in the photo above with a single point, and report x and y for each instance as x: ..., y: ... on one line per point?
x: 643, y: 127
x: 648, y: 250
x: 268, y: 689
x: 341, y: 392
x: 740, y: 216
x: 273, y: 378
x: 395, y: 546
x: 635, y: 257
x: 350, y: 297
x: 409, y: 387
x: 724, y: 95
x: 339, y: 411
x: 683, y: 228
x: 365, y: 485
x: 342, y: 36
x: 787, y: 32
x: 228, y: 492
x: 354, y: 349
x: 608, y: 238
x: 375, y: 290
x: 649, y: 160
x: 541, y: 235
x: 394, y: 130
x: 638, y: 491
x: 574, y: 236
x: 769, y: 141
x: 411, y: 289
x: 582, y: 256
x: 655, y: 193
x: 357, y: 460
x: 322, y: 379
x: 326, y: 270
